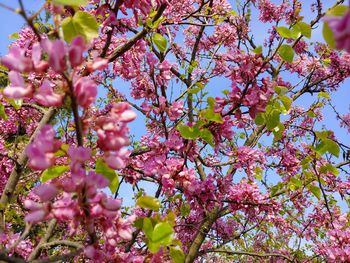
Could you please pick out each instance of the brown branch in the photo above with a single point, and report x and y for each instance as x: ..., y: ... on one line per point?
x: 49, y: 231
x: 125, y: 47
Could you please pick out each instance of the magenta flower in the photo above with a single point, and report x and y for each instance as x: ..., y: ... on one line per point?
x: 39, y: 65
x: 46, y: 96
x: 341, y: 30
x: 41, y: 151
x: 46, y: 192
x: 85, y: 91
x: 17, y: 89
x: 56, y: 51
x: 17, y: 60
x: 117, y: 159
x: 76, y: 50
x: 78, y: 156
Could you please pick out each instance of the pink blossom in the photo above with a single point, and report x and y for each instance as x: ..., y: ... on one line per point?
x: 17, y: 60
x: 117, y: 159
x: 41, y: 151
x: 112, y: 130
x: 46, y: 192
x: 341, y: 30
x: 56, y: 52
x: 85, y: 91
x: 123, y: 112
x: 46, y: 96
x: 78, y: 156
x: 75, y: 51
x: 39, y: 65
x: 18, y: 89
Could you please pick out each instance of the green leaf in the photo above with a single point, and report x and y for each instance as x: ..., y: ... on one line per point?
x: 315, y: 190
x: 328, y: 35
x: 162, y: 233
x: 257, y: 50
x: 281, y: 90
x: 14, y: 35
x: 211, y: 102
x: 177, y: 255
x: 3, y: 114
x: 109, y: 173
x: 185, y: 209
x: 160, y: 42
x: 260, y: 118
x: 17, y: 104
x: 338, y: 10
x: 272, y: 119
x: 69, y: 30
x: 304, y: 29
x: 62, y: 151
x: 324, y: 95
x: 287, y: 102
x: 53, y: 172
x: 275, y: 189
x: 329, y: 168
x: 82, y: 23
x: 211, y: 115
x: 71, y: 2
x: 284, y: 32
x: 153, y: 247
x: 138, y: 223
x: 332, y: 147
x: 196, y: 88
x: 286, y: 52
x: 328, y: 145
x: 190, y: 133
x: 278, y: 132
x: 298, y: 183
x: 148, y: 202
x: 147, y: 227
x: 207, y: 136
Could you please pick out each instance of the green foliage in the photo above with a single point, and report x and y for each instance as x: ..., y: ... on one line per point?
x: 272, y: 119
x: 328, y: 35
x: 328, y: 145
x: 148, y: 202
x: 338, y: 10
x: 82, y: 23
x: 76, y: 3
x: 177, y: 255
x: 103, y: 169
x: 284, y: 32
x: 53, y: 172
x: 3, y: 114
x: 314, y: 190
x: 303, y: 28
x: 190, y: 133
x: 160, y: 42
x: 299, y: 29
x: 286, y: 52
x: 257, y: 50
x: 17, y: 104
x: 160, y: 235
x: 207, y: 136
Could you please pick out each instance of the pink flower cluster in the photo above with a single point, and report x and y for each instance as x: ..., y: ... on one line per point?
x: 19, y: 62
x: 112, y: 132
x: 75, y: 199
x: 41, y: 152
x: 247, y: 158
